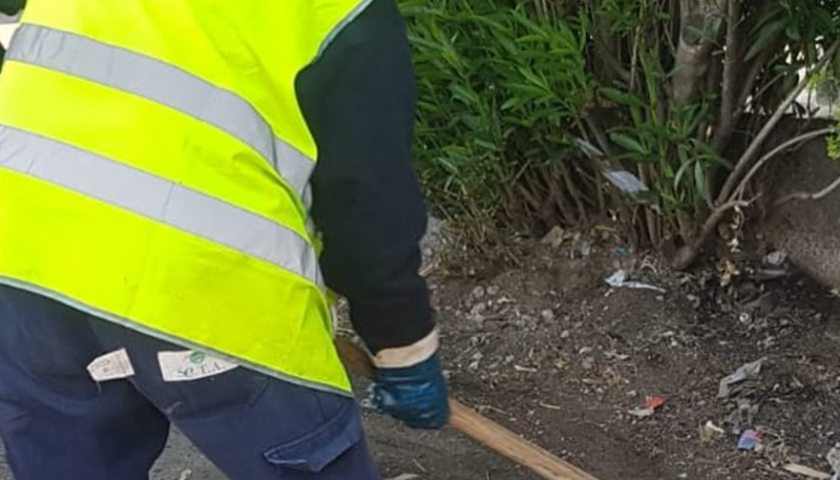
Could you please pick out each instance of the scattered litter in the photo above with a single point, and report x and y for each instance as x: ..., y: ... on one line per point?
x: 749, y: 370
x: 776, y: 258
x: 641, y: 412
x: 619, y: 280
x: 185, y: 474
x: 833, y: 458
x: 710, y: 432
x: 651, y: 404
x: 405, y: 476
x: 626, y: 182
x: 554, y: 238
x: 728, y: 271
x: 591, y: 151
x: 550, y: 406
x: 750, y: 440
x: 807, y: 471
x: 622, y: 251
x: 520, y: 368
x: 654, y: 402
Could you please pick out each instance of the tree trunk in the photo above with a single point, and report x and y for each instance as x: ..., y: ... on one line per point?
x: 701, y: 24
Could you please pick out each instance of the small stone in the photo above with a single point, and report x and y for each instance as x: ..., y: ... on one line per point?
x: 547, y: 315
x: 478, y: 292
x: 588, y: 363
x: 776, y: 259
x: 554, y: 238
x: 565, y: 334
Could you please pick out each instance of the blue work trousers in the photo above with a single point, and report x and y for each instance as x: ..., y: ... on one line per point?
x: 57, y: 423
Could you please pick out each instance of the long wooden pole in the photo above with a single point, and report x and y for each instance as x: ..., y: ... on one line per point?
x: 480, y: 428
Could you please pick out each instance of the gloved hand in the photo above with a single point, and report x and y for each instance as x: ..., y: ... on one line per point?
x: 416, y: 394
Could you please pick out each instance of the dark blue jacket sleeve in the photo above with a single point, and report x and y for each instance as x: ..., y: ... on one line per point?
x: 359, y: 100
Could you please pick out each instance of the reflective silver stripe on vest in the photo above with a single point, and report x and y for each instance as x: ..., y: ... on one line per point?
x: 164, y: 84
x: 157, y: 199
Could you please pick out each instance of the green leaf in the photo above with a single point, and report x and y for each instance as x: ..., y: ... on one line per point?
x: 699, y: 178
x: 792, y: 32
x: 680, y: 174
x: 622, y: 98
x: 628, y: 143
x: 766, y: 35
x: 462, y: 93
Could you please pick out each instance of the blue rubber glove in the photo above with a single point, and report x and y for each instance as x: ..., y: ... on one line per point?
x: 416, y: 395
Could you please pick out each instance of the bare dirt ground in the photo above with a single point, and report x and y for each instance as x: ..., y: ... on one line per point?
x: 548, y: 349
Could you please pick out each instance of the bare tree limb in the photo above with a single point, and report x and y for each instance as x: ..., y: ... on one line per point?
x: 687, y: 254
x: 793, y: 142
x: 809, y: 196
x: 733, y: 180
x: 721, y: 137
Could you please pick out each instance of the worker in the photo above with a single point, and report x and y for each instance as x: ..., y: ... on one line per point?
x: 8, y: 14
x: 183, y: 185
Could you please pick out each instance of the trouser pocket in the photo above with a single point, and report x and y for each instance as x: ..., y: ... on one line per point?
x: 314, y: 452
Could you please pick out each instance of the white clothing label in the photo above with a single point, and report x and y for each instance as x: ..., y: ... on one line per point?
x: 111, y: 366
x: 191, y: 365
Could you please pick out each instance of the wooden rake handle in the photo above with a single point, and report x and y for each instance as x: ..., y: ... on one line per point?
x: 480, y: 428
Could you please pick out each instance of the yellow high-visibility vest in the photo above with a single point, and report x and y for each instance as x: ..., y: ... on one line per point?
x: 154, y: 170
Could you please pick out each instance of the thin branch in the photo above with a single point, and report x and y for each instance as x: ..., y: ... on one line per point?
x: 793, y: 142
x: 730, y: 69
x: 760, y: 93
x: 610, y: 59
x: 751, y: 78
x: 744, y: 162
x: 809, y: 196
x: 598, y: 133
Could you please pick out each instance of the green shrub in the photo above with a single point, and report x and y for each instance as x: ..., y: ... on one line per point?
x: 524, y: 104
